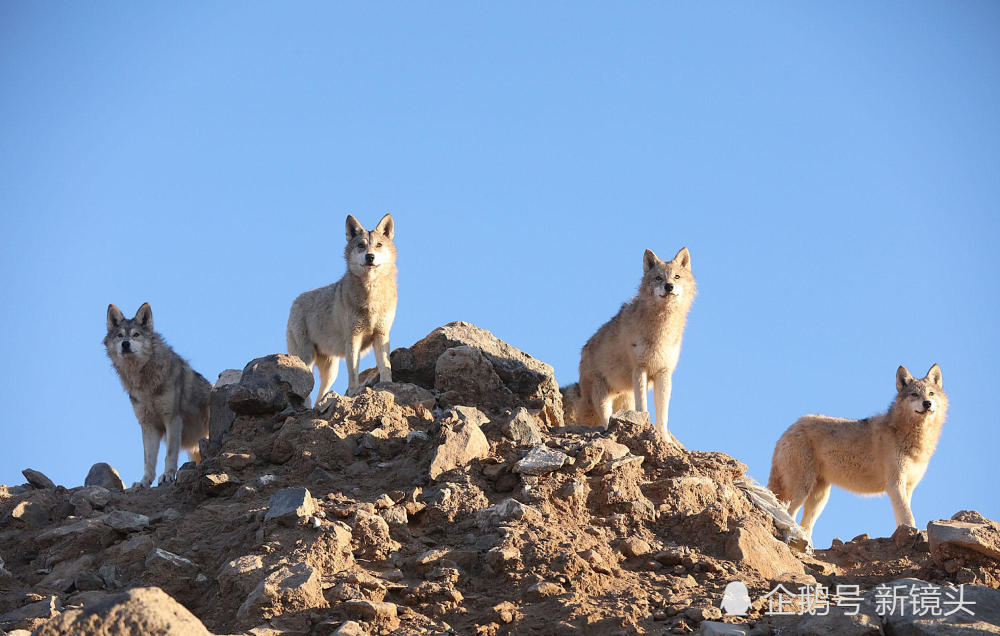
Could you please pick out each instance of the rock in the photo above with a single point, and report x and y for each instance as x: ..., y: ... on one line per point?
x: 170, y: 563
x: 395, y: 516
x: 148, y: 611
x: 715, y: 628
x: 291, y: 506
x: 634, y: 547
x: 125, y: 521
x: 973, y: 609
x: 272, y: 384
x: 542, y: 591
x: 699, y: 614
x: 371, y: 536
x: 228, y: 377
x: 768, y: 503
x: 381, y: 613
x: 105, y: 476
x: 37, y: 479
x: 541, y: 460
x: 27, y: 615
x: 463, y: 441
x: 408, y: 394
x: 525, y: 381
x: 949, y: 539
x: 221, y: 417
x: 287, y: 589
x: 349, y: 628
x: 241, y: 575
x: 521, y: 428
x: 27, y: 514
x: 753, y: 546
x: 94, y: 496
x: 88, y: 580
x: 462, y: 375
x: 218, y: 484
x: 505, y: 511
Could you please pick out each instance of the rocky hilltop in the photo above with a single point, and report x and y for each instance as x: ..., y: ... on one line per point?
x: 454, y: 500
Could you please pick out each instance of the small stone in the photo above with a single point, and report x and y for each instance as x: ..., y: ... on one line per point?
x: 381, y: 613
x: 95, y: 496
x: 103, y: 475
x: 218, y: 484
x: 28, y: 513
x: 542, y: 591
x: 522, y: 429
x: 287, y: 589
x: 159, y: 557
x: 125, y: 521
x: 349, y: 628
x: 634, y: 547
x: 290, y: 506
x: 88, y: 580
x: 541, y: 460
x: 715, y: 628
x: 396, y: 516
x: 37, y: 479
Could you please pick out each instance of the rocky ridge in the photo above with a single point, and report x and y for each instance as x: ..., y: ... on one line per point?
x: 454, y: 500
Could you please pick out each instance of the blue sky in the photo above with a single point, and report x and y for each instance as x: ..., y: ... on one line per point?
x: 833, y: 168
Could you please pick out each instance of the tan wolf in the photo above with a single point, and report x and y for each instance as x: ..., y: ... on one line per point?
x: 885, y: 453
x: 345, y: 319
x: 640, y: 344
x: 169, y: 398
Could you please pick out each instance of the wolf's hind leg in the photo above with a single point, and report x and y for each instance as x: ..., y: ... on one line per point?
x: 327, y: 366
x: 814, y: 504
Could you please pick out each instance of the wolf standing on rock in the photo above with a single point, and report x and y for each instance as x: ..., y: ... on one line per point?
x: 640, y: 344
x: 345, y: 319
x: 169, y: 397
x: 887, y: 453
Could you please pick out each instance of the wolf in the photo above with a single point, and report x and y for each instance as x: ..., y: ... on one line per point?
x: 345, y: 319
x: 885, y: 453
x: 641, y: 344
x: 170, y: 399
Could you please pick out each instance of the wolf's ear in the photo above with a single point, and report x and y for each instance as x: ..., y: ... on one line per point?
x: 353, y: 227
x: 649, y: 260
x: 934, y: 375
x: 683, y: 258
x: 144, y: 316
x: 903, y: 378
x: 386, y: 226
x: 115, y: 317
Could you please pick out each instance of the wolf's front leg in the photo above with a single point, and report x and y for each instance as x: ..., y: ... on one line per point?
x: 896, y: 490
x: 639, y: 386
x: 661, y: 400
x: 174, y: 429
x: 150, y: 448
x: 381, y: 346
x: 353, y: 353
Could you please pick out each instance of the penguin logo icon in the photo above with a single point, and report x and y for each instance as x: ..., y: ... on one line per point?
x: 736, y: 599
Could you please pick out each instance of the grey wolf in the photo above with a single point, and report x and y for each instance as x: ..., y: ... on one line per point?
x: 639, y: 345
x: 345, y: 319
x: 885, y: 453
x: 170, y: 399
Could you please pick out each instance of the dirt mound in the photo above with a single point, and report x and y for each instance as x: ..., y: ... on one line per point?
x: 448, y: 502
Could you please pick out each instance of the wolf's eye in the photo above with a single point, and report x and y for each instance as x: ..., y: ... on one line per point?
x: 361, y: 248
x: 379, y: 245
x: 135, y: 334
x: 659, y: 278
x: 931, y: 393
x: 677, y: 276
x: 914, y: 395
x: 121, y: 335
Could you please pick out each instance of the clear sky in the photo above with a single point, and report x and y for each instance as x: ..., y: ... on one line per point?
x: 833, y: 168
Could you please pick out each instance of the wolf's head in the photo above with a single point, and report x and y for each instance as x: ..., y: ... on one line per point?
x: 130, y: 339
x: 667, y: 281
x: 370, y: 253
x: 923, y: 397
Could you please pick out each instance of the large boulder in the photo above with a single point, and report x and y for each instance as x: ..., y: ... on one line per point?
x: 967, y: 535
x: 272, y: 384
x: 482, y: 371
x: 148, y: 611
x: 220, y: 415
x: 287, y: 589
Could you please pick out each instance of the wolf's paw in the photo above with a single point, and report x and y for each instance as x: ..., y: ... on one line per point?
x: 166, y: 478
x: 386, y: 376
x: 353, y: 391
x: 139, y: 485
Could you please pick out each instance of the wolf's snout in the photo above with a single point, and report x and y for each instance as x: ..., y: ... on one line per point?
x: 669, y: 287
x: 370, y: 259
x: 928, y: 404
x: 126, y: 346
